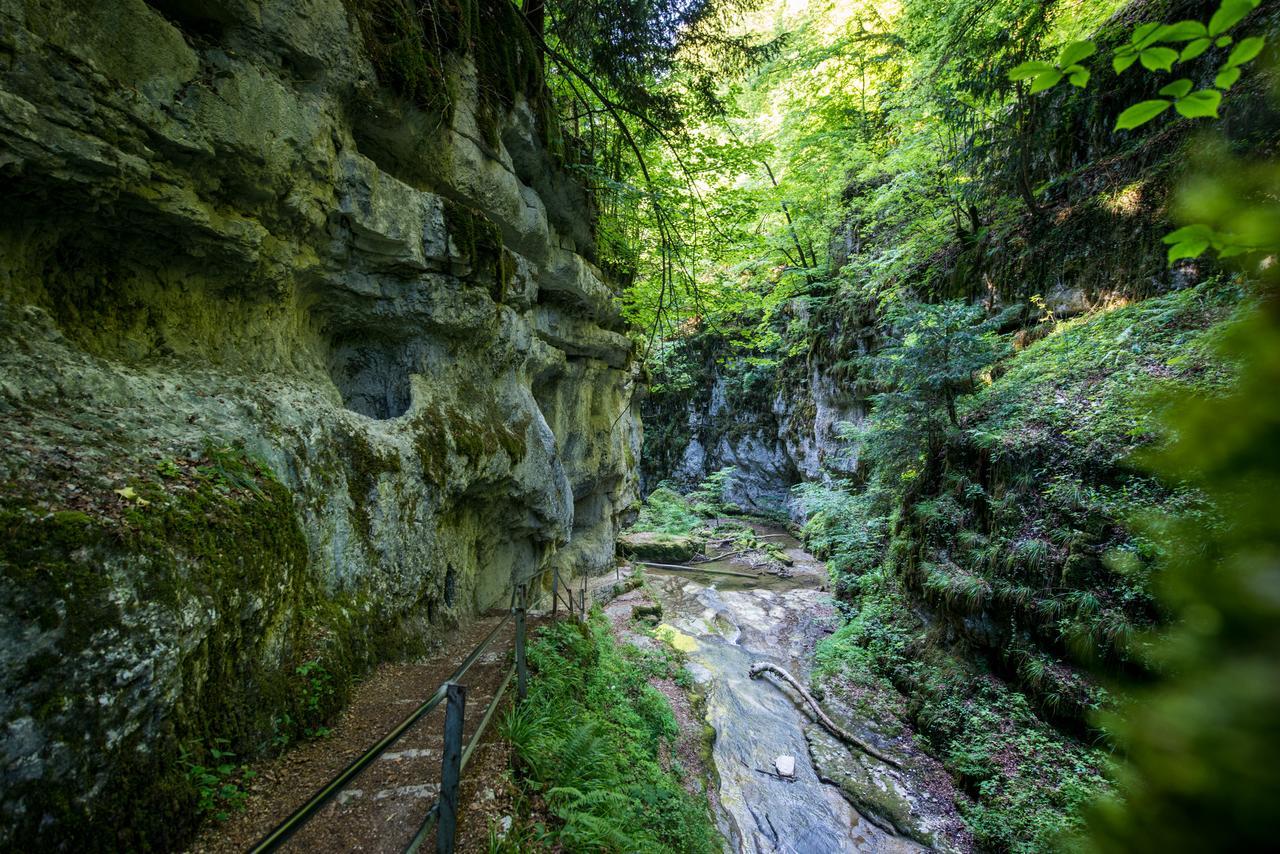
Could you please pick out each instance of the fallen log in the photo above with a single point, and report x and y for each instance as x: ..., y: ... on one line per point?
x: 714, y: 558
x: 687, y: 568
x: 763, y: 666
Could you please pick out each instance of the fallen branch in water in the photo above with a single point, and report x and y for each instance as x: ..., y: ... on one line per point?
x: 687, y: 568
x: 763, y: 666
x: 715, y: 558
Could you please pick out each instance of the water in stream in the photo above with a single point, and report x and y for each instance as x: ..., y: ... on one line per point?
x: 726, y: 623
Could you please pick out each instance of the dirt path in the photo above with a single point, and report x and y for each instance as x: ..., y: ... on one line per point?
x: 381, y: 809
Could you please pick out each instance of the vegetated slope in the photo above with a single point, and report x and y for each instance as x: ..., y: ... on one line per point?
x: 593, y: 749
x: 915, y: 195
x: 301, y: 361
x: 993, y: 570
x: 1003, y: 581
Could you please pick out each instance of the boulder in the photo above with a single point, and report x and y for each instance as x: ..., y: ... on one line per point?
x: 661, y: 548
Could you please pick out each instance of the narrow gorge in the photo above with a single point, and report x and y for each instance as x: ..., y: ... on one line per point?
x: 801, y: 425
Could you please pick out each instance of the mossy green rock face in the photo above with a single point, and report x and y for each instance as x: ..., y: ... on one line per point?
x: 661, y: 548
x: 868, y: 785
x: 293, y: 374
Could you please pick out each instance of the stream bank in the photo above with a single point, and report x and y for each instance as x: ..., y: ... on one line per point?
x: 839, y: 800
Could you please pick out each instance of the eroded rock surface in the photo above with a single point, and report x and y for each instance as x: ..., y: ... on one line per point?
x: 291, y: 372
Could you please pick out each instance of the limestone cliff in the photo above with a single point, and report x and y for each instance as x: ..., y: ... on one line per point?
x: 295, y: 373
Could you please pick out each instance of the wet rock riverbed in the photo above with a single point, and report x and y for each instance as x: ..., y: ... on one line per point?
x: 725, y: 623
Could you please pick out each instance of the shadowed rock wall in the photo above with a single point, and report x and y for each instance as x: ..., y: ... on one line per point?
x: 291, y: 372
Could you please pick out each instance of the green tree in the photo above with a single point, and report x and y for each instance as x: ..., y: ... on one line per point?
x: 935, y: 354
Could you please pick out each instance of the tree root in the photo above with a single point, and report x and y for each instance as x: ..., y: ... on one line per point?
x: 763, y: 666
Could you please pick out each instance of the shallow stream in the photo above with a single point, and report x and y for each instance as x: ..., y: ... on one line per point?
x: 726, y: 623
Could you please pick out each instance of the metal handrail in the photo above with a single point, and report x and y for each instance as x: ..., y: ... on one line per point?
x: 285, y: 829
x: 424, y: 830
x: 290, y: 825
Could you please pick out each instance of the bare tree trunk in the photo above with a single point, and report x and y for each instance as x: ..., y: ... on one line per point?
x: 763, y: 666
x: 536, y: 13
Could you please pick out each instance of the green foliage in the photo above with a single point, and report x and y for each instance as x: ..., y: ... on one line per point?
x: 221, y: 784
x: 668, y: 512
x: 708, y: 498
x: 315, y: 700
x: 1201, y: 741
x: 1008, y: 529
x: 1025, y: 783
x: 589, y: 739
x: 933, y: 357
x: 1148, y: 45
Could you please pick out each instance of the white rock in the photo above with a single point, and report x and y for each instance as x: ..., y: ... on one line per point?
x: 786, y: 766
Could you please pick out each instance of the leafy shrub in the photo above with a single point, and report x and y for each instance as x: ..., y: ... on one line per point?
x: 220, y: 784
x: 708, y: 498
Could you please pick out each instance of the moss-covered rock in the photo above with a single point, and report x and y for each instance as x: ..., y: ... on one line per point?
x: 661, y: 548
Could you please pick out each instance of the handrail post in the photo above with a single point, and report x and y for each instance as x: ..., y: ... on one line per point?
x: 451, y: 767
x: 522, y: 671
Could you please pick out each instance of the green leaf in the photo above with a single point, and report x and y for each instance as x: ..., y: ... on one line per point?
x: 1246, y: 51
x: 1046, y: 80
x: 1159, y: 58
x: 1178, y: 88
x: 1076, y: 51
x: 1189, y: 233
x: 1189, y: 249
x: 1230, y: 13
x: 1080, y: 78
x: 1141, y: 113
x: 1200, y: 105
x: 1144, y: 35
x: 1224, y: 41
x: 1227, y: 78
x: 1194, y: 49
x: 1181, y: 32
x: 1027, y: 70
x: 1123, y: 60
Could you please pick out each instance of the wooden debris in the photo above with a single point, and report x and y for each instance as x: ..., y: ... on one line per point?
x: 761, y: 667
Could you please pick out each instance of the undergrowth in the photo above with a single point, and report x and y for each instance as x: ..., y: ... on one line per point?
x: 997, y: 589
x: 589, y: 744
x: 667, y: 511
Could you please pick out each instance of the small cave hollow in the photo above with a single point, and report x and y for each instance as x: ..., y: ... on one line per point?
x: 372, y: 376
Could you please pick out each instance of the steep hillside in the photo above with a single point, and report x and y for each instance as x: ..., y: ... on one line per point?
x: 955, y: 408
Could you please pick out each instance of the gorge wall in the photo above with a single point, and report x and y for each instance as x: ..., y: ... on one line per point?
x: 296, y: 375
